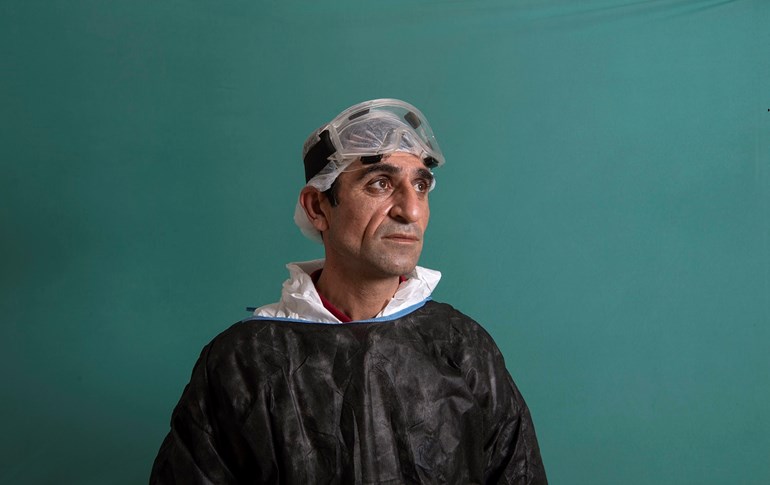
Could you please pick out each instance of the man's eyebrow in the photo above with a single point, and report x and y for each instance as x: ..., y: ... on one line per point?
x: 425, y: 173
x: 385, y: 167
x: 379, y: 167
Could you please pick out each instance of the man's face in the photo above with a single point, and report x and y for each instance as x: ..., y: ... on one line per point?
x: 377, y: 228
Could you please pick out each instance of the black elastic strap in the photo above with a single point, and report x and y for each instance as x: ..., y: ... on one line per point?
x: 358, y: 114
x: 412, y: 119
x: 318, y: 156
x: 370, y: 159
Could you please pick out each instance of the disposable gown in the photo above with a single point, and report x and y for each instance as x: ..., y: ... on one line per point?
x: 422, y: 398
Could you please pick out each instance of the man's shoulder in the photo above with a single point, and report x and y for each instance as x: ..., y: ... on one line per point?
x: 447, y: 319
x: 448, y: 313
x: 242, y: 341
x: 247, y: 334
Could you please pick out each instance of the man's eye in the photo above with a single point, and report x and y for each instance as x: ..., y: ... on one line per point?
x: 421, y: 186
x: 380, y: 184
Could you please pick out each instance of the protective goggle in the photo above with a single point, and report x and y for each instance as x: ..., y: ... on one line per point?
x: 371, y: 130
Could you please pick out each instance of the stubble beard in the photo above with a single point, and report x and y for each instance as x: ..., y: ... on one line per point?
x: 389, y: 258
x: 388, y: 262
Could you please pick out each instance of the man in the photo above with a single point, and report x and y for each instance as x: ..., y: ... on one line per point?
x: 356, y: 376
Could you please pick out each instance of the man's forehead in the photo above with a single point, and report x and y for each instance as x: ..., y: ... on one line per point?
x: 393, y: 163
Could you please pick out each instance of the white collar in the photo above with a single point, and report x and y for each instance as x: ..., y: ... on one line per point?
x: 300, y: 300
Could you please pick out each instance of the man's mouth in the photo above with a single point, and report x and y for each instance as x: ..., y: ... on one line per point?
x: 402, y: 237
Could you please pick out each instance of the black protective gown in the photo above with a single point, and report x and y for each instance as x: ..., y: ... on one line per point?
x: 424, y: 398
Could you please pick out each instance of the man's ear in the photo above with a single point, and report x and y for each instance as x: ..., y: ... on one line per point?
x: 315, y: 204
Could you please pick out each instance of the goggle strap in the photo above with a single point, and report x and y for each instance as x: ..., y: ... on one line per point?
x: 318, y: 156
x: 358, y: 114
x: 412, y: 119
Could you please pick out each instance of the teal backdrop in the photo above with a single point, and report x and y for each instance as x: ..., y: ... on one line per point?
x: 603, y: 211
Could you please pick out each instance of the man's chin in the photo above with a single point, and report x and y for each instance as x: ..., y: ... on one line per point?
x: 402, y: 269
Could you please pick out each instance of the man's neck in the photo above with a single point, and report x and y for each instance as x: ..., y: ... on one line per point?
x: 359, y: 298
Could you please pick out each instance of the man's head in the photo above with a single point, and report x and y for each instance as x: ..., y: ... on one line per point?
x: 366, y: 132
x: 368, y: 176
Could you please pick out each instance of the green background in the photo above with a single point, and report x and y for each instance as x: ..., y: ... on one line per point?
x: 603, y: 211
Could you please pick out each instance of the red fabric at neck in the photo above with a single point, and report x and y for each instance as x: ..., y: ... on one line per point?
x: 339, y: 314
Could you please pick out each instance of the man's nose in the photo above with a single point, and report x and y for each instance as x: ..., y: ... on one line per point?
x: 408, y: 205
